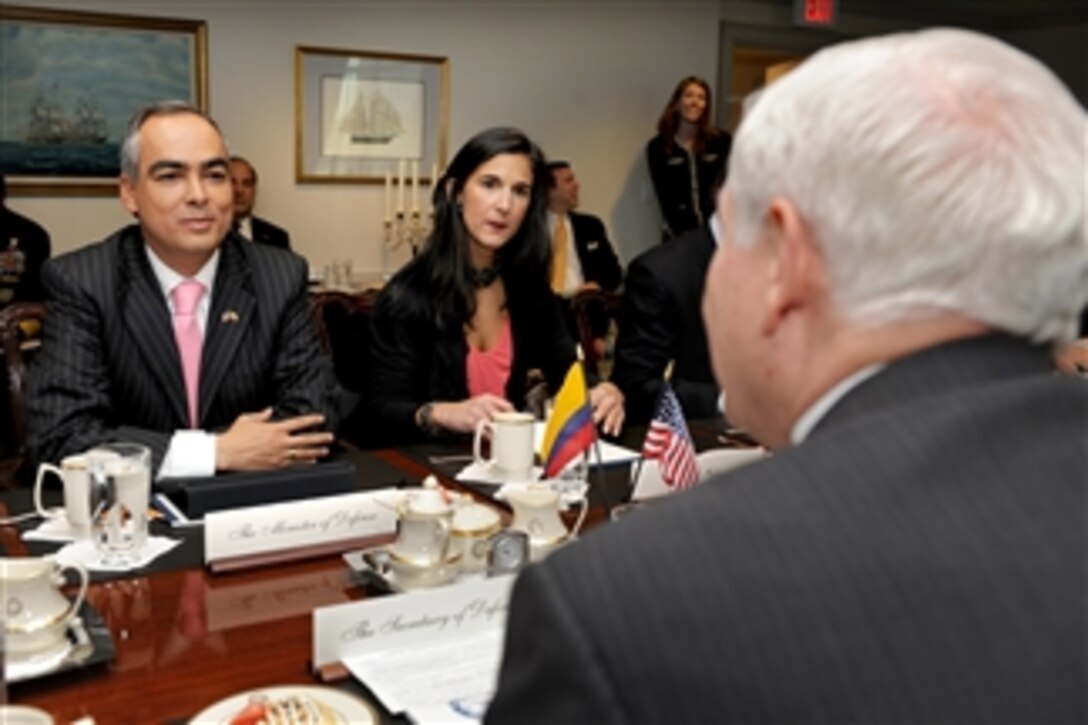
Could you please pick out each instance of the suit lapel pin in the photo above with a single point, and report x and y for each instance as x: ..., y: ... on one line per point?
x: 229, y: 317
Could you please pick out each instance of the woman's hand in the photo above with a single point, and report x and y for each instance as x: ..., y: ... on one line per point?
x: 607, y: 402
x: 464, y: 416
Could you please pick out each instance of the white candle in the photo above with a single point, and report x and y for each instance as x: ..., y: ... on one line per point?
x: 400, y: 186
x: 415, y: 186
x: 388, y: 195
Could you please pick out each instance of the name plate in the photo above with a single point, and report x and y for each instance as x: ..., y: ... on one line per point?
x: 406, y: 620
x: 295, y: 529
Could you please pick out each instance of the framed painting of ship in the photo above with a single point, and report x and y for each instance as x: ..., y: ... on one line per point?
x: 70, y: 81
x: 357, y: 113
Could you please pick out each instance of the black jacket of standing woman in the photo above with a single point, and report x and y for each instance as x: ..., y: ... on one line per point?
x: 686, y: 158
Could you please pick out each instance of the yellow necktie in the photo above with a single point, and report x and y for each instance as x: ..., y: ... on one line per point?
x: 559, y: 255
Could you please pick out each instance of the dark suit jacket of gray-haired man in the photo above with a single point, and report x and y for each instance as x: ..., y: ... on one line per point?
x: 110, y: 368
x: 880, y: 313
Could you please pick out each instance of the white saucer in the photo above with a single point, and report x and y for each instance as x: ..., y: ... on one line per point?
x: 17, y: 669
x: 487, y: 473
x: 342, y: 706
x: 74, y: 649
x: 405, y: 576
x: 24, y: 715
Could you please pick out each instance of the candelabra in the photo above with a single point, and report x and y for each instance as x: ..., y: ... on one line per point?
x: 405, y: 227
x: 409, y: 228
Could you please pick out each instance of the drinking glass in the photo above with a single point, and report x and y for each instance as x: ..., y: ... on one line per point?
x: 120, y: 476
x: 349, y: 281
x: 3, y: 671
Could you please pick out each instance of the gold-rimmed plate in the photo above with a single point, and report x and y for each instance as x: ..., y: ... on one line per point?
x: 335, y: 706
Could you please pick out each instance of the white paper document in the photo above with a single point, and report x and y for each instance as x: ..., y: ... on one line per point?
x: 433, y: 654
x: 449, y: 680
x: 611, y: 454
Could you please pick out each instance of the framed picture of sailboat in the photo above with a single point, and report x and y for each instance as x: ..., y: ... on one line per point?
x: 70, y: 81
x: 358, y: 113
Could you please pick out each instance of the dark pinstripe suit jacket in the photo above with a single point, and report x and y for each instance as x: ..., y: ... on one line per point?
x: 109, y: 367
x: 920, y: 558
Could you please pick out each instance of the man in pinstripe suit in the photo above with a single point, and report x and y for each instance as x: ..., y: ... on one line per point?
x: 263, y: 393
x: 903, y: 240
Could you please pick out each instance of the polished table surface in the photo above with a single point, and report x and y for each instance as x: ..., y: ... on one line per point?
x: 186, y: 638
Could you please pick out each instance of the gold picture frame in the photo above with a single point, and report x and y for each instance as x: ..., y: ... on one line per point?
x: 358, y: 113
x: 72, y: 80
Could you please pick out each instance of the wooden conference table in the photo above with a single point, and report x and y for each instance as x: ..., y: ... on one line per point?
x: 185, y: 638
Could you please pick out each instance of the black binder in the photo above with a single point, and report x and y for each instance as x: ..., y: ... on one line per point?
x: 197, y: 496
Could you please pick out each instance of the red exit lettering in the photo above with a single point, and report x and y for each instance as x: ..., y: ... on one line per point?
x: 819, y: 11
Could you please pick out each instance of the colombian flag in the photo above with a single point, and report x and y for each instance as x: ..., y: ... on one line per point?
x: 570, y: 429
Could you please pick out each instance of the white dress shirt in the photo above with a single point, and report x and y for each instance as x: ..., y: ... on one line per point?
x: 823, y: 405
x: 245, y: 227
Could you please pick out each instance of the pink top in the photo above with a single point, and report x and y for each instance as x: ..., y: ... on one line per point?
x: 488, y: 371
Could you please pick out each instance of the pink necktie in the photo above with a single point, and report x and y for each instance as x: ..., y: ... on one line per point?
x: 190, y: 340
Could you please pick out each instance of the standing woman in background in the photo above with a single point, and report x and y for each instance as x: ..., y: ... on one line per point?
x: 686, y: 157
x: 456, y: 332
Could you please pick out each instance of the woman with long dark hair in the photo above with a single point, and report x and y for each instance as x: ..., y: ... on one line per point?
x: 686, y: 158
x: 457, y: 332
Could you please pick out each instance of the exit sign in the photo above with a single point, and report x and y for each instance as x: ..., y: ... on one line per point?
x: 816, y: 13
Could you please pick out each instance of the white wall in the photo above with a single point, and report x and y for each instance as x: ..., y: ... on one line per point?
x: 586, y: 80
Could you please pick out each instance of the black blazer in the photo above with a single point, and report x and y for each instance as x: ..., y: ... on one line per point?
x: 109, y: 367
x: 672, y: 181
x: 920, y: 558
x: 266, y: 232
x: 595, y: 253
x: 412, y: 362
x: 661, y: 319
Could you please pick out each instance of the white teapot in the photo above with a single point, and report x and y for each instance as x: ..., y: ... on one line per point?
x: 536, y: 512
x: 36, y: 613
x: 423, y: 529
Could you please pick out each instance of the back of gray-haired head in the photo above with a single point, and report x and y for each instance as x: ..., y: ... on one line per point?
x: 130, y: 144
x: 941, y: 171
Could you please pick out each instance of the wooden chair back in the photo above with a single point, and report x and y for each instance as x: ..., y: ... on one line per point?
x: 20, y: 337
x: 594, y: 312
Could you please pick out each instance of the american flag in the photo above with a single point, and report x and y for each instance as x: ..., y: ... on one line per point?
x: 669, y: 442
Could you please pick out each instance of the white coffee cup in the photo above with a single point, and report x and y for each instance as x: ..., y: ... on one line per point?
x: 537, y: 512
x: 511, y: 445
x: 473, y: 526
x: 36, y: 612
x: 73, y: 473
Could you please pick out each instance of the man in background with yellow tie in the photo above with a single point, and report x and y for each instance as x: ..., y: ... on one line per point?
x: 582, y: 255
x: 176, y: 333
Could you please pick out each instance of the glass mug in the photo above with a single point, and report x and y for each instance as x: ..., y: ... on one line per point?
x: 120, y: 492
